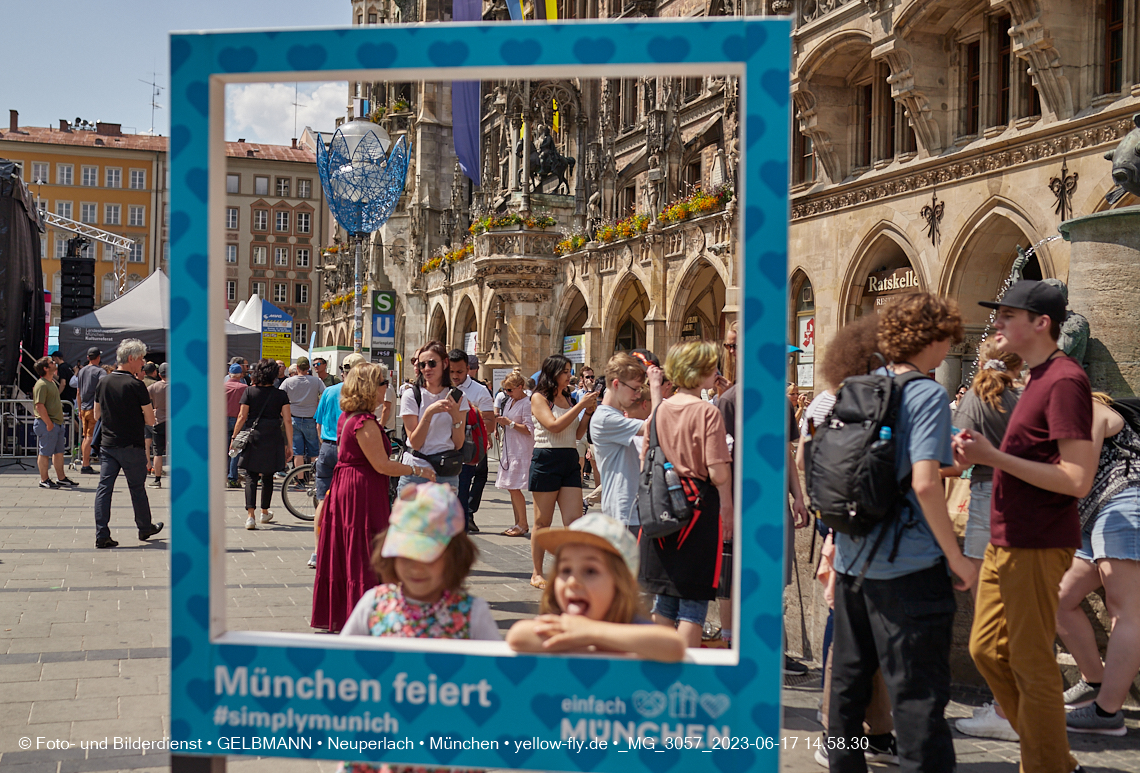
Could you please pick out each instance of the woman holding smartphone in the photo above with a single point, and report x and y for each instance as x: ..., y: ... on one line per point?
x: 555, y: 475
x: 433, y: 418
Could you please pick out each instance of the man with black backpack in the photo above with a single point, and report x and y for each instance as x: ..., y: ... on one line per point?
x: 894, y: 598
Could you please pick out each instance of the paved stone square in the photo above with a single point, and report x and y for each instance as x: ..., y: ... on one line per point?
x: 84, y: 633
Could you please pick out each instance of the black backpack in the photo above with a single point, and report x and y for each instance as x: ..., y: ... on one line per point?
x: 850, y: 469
x: 654, y: 509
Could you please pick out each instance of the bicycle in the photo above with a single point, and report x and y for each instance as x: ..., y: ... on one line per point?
x: 299, y: 488
x: 299, y: 492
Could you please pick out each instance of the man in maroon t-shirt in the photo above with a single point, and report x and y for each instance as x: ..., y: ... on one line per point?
x: 1046, y: 462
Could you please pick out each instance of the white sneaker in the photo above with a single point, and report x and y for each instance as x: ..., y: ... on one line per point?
x: 313, y: 561
x: 267, y: 516
x: 821, y: 757
x: 987, y: 724
x: 250, y: 523
x: 984, y: 708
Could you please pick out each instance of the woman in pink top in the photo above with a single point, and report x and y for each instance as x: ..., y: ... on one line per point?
x: 683, y: 569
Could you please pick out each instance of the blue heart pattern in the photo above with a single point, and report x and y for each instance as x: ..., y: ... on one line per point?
x: 378, y: 55
x: 594, y: 50
x: 448, y: 54
x: 520, y: 52
x: 306, y: 57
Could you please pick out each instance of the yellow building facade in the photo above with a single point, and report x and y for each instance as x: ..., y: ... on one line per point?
x: 100, y: 177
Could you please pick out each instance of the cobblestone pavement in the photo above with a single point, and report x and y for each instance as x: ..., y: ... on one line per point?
x: 84, y: 633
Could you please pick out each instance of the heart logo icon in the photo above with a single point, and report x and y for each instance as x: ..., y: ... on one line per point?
x: 649, y: 704
x: 715, y: 705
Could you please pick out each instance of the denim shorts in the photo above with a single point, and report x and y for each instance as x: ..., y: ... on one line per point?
x: 305, y: 440
x: 49, y: 443
x: 978, y: 524
x: 323, y: 468
x: 681, y: 610
x: 1116, y: 531
x: 411, y: 480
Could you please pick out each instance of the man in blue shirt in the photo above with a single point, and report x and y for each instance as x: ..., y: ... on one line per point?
x: 901, y: 619
x: 327, y: 416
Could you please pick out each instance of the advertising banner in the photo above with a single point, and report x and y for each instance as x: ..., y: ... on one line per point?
x: 457, y: 702
x: 574, y: 348
x: 276, y: 333
x: 497, y: 376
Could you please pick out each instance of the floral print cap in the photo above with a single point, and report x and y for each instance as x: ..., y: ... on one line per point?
x: 424, y: 519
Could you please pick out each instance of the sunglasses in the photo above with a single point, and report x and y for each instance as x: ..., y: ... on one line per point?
x: 427, y: 364
x: 383, y: 383
x: 730, y: 347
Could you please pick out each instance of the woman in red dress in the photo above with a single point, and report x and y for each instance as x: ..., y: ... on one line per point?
x: 356, y: 508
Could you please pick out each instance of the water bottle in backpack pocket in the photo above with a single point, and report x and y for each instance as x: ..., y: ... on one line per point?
x: 677, y: 499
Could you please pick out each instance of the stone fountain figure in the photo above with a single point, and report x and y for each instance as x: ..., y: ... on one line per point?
x: 1104, y: 272
x: 1074, y: 340
x: 1125, y: 165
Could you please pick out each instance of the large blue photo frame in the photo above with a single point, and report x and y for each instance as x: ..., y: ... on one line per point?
x: 301, y: 695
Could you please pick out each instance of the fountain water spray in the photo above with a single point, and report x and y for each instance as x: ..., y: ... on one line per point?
x: 1014, y: 276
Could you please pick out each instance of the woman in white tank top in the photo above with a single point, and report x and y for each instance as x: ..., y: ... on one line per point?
x: 555, y: 474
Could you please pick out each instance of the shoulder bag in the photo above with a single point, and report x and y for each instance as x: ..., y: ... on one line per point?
x: 241, y: 439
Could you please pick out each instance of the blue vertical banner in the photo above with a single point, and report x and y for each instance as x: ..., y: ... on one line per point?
x: 465, y: 103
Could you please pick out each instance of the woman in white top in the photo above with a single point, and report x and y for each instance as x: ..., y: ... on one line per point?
x: 516, y: 451
x: 435, y: 422
x: 555, y: 475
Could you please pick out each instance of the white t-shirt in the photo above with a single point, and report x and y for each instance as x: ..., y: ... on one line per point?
x: 499, y: 400
x: 439, y: 433
x: 482, y: 624
x: 478, y: 394
x: 817, y: 411
x: 619, y: 459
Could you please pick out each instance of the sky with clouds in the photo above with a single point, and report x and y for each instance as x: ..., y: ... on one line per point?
x: 90, y: 60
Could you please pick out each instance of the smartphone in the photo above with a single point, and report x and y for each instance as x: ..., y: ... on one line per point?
x: 457, y: 394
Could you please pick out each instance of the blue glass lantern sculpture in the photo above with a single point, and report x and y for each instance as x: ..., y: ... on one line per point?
x: 363, y: 183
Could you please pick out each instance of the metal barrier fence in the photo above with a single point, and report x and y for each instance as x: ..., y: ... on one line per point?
x: 18, y: 435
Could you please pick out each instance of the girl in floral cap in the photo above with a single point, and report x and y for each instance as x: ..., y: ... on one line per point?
x: 425, y: 555
x: 592, y: 602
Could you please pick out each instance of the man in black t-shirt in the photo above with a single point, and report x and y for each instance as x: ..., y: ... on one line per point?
x: 123, y: 404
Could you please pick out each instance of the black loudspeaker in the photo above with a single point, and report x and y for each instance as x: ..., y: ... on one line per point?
x: 76, y: 287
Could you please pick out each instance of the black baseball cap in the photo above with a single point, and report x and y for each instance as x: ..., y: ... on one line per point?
x: 93, y: 352
x: 1033, y: 296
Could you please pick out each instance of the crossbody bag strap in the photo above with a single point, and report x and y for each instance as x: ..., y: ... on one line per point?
x: 253, y: 426
x: 653, y: 430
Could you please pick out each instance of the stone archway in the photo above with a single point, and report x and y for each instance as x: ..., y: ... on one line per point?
x: 885, y: 250
x: 341, y: 337
x: 697, y: 310
x: 437, y: 327
x: 466, y: 321
x: 626, y: 318
x: 982, y: 256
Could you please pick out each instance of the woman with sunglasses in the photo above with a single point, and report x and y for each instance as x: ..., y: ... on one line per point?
x: 433, y: 421
x: 555, y: 475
